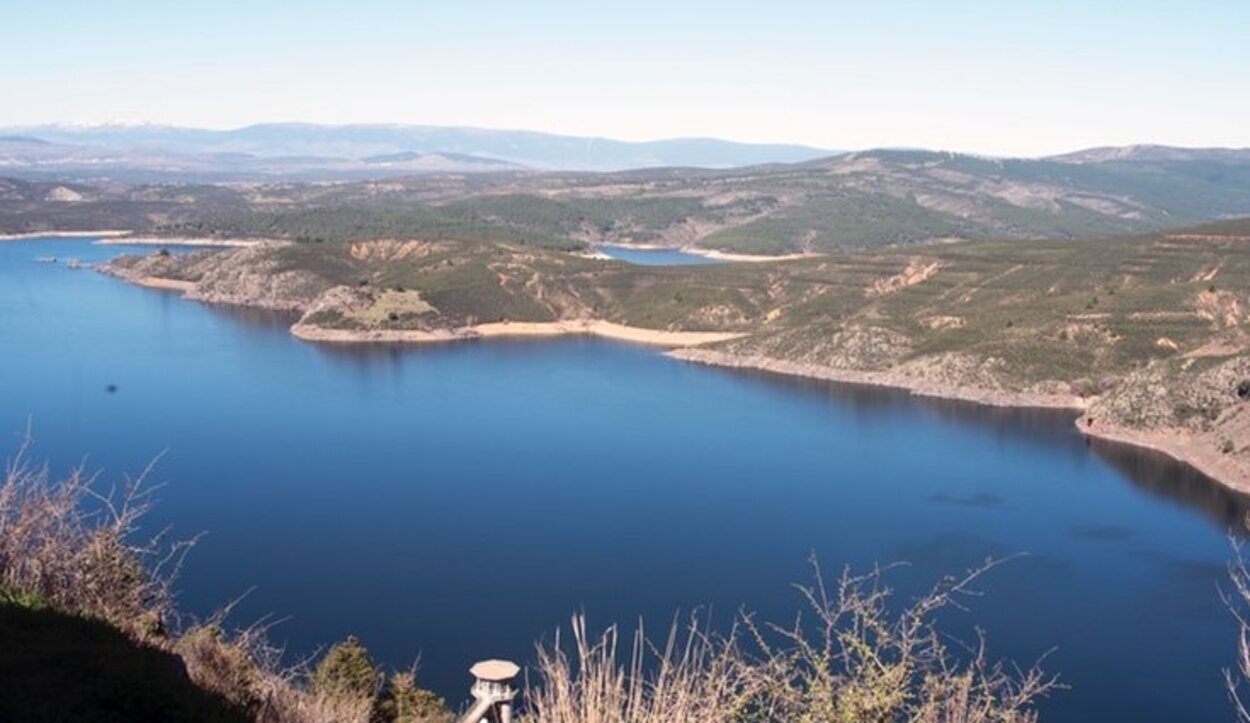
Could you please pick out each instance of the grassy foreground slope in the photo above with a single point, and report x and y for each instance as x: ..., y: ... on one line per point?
x: 58, y: 667
x: 1079, y: 324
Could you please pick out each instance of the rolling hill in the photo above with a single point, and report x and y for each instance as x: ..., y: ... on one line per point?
x: 855, y: 200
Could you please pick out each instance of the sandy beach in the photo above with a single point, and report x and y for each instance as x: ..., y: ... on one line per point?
x: 153, y: 282
x: 184, y: 241
x: 605, y: 329
x: 709, y: 253
x: 746, y: 258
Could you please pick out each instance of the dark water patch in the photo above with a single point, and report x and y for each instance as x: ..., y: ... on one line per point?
x: 1103, y: 532
x: 984, y: 500
x: 1158, y: 474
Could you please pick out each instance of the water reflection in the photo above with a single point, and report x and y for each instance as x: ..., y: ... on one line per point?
x: 263, y: 320
x: 1164, y: 477
x: 1148, y: 470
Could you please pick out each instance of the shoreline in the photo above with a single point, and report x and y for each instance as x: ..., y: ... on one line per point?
x: 682, y: 346
x: 536, y: 329
x: 1175, y: 444
x: 709, y: 253
x: 124, y: 237
x: 231, y: 243
x: 888, y: 380
x: 731, y: 257
x: 103, y: 234
x: 155, y: 282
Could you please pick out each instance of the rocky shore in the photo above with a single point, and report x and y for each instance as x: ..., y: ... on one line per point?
x: 890, y: 379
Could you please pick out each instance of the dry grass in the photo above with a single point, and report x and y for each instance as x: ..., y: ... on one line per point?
x: 67, y: 546
x: 693, y: 678
x: 845, y: 658
x: 852, y: 659
x: 248, y: 671
x: 1238, y: 602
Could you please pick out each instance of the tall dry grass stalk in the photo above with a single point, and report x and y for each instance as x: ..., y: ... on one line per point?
x: 692, y: 678
x: 1238, y: 603
x: 844, y: 659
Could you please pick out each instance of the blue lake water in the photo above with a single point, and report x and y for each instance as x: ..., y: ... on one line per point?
x: 462, y: 501
x: 654, y: 257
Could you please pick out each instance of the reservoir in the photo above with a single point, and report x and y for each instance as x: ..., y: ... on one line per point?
x: 654, y: 256
x: 460, y: 502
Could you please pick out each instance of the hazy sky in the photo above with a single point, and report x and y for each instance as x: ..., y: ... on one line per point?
x: 990, y: 76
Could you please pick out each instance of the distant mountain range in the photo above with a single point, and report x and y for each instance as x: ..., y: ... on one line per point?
x: 144, y: 153
x: 302, y: 151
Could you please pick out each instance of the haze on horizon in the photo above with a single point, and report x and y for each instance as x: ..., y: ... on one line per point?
x: 972, y: 75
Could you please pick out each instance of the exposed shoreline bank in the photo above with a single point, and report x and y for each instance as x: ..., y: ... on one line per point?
x: 233, y: 243
x: 746, y: 258
x: 155, y: 282
x: 105, y: 234
x: 1179, y: 446
x: 706, y: 253
x: 122, y: 237
x: 589, y: 327
x: 889, y: 380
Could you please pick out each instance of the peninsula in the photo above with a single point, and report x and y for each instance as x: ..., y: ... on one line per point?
x: 1146, y: 337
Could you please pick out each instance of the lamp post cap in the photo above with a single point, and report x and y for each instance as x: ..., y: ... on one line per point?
x: 495, y: 671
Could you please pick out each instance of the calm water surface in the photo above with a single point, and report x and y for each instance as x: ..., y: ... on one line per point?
x: 655, y: 257
x: 461, y: 501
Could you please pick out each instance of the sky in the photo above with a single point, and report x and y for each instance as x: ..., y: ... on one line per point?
x: 1000, y: 77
